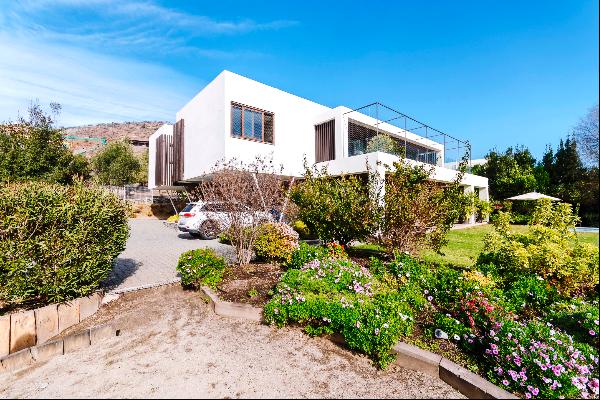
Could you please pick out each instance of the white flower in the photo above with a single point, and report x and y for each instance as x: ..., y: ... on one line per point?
x: 456, y: 337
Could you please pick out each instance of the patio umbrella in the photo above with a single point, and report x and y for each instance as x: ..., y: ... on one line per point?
x: 533, y: 196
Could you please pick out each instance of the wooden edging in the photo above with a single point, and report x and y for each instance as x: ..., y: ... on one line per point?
x: 68, y: 344
x: 408, y: 356
x: 25, y: 329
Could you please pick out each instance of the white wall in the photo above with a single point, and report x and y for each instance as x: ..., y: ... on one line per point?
x: 293, y: 123
x: 204, y: 123
x: 165, y: 129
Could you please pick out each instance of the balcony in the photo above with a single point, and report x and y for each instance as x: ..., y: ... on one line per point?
x: 378, y: 128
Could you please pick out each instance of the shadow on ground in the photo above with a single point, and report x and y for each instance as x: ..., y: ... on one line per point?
x: 123, y: 268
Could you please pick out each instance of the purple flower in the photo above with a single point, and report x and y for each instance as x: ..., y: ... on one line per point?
x: 527, y: 395
x: 535, y: 391
x: 429, y: 298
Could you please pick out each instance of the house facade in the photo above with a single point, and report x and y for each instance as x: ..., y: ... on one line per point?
x: 237, y: 117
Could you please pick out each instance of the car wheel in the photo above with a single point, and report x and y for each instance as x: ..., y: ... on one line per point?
x: 209, y: 230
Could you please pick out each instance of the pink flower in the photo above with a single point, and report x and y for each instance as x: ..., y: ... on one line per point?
x: 505, y: 382
x: 592, y: 332
x: 429, y: 298
x: 527, y: 395
x: 535, y: 391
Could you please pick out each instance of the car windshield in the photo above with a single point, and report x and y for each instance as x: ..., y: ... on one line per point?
x: 188, y: 207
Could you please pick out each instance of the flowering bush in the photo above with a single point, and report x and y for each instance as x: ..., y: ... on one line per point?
x: 201, y: 267
x: 547, y: 250
x: 578, y: 318
x: 337, y: 295
x: 305, y: 253
x: 276, y: 242
x: 538, y: 360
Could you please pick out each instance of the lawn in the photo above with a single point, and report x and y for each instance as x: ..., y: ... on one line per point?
x: 464, y: 245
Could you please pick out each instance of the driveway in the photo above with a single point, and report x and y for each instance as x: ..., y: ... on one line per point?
x: 173, y: 346
x: 151, y: 254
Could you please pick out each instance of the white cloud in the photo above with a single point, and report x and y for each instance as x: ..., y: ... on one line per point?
x: 91, y: 87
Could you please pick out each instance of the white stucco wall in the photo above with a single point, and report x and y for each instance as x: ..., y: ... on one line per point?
x: 165, y: 129
x: 293, y: 124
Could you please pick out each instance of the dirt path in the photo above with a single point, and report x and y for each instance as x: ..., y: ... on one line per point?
x: 172, y: 345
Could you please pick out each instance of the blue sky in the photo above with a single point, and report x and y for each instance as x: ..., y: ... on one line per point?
x: 495, y: 73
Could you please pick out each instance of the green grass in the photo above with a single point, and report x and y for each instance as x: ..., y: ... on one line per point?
x: 464, y: 245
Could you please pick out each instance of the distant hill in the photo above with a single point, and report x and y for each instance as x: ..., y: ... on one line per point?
x: 89, y: 139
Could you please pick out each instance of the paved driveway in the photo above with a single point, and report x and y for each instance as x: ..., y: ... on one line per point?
x: 151, y: 254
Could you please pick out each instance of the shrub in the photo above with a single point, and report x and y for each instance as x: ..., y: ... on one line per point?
x: 276, y: 242
x: 201, y: 267
x: 530, y: 291
x: 417, y: 212
x: 57, y: 242
x: 483, y: 209
x: 335, y: 208
x: 549, y: 250
x: 302, y: 229
x: 578, y: 318
x: 337, y: 295
x: 305, y: 253
x: 538, y: 360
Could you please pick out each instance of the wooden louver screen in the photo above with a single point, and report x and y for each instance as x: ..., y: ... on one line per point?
x: 163, y: 167
x: 178, y: 143
x: 325, y: 141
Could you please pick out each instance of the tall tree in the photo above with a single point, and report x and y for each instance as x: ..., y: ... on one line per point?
x: 33, y: 149
x: 586, y: 135
x: 509, y: 173
x: 116, y: 165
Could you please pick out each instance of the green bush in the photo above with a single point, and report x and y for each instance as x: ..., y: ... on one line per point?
x: 578, y: 318
x: 305, y: 253
x: 302, y: 229
x: 530, y: 291
x: 548, y: 249
x: 201, y: 267
x: 57, y: 242
x: 335, y: 208
x: 276, y: 241
x: 337, y: 295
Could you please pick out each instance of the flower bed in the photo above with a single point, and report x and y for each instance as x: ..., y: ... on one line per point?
x: 548, y: 352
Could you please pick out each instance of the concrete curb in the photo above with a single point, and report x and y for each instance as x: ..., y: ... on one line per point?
x: 136, y: 288
x: 43, y: 352
x: 408, y: 356
x: 230, y: 309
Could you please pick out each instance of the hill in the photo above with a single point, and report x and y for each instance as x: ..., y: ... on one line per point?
x: 89, y: 139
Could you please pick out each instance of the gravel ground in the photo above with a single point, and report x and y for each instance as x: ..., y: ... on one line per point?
x: 172, y: 345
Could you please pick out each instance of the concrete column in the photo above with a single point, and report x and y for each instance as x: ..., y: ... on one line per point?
x: 470, y: 190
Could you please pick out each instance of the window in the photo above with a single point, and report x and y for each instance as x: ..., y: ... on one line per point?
x: 251, y: 123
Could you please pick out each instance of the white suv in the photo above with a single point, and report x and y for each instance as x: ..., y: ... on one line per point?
x: 207, y: 219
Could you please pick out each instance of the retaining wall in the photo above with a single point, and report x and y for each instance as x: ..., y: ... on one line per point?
x: 29, y: 328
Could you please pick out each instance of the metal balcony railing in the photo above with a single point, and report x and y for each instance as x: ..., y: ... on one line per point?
x: 376, y: 127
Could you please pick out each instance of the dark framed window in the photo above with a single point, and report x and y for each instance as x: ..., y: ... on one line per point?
x: 251, y: 123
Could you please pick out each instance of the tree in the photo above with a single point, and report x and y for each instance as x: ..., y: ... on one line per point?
x: 33, y: 149
x: 116, y: 164
x: 509, y: 173
x: 417, y: 212
x: 246, y: 194
x: 143, y: 174
x: 586, y: 135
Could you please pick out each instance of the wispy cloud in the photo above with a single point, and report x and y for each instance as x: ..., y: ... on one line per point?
x: 97, y: 57
x: 91, y: 87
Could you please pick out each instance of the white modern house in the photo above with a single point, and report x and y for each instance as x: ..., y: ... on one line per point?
x: 237, y: 117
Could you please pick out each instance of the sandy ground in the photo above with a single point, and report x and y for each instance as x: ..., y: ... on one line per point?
x: 172, y: 345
